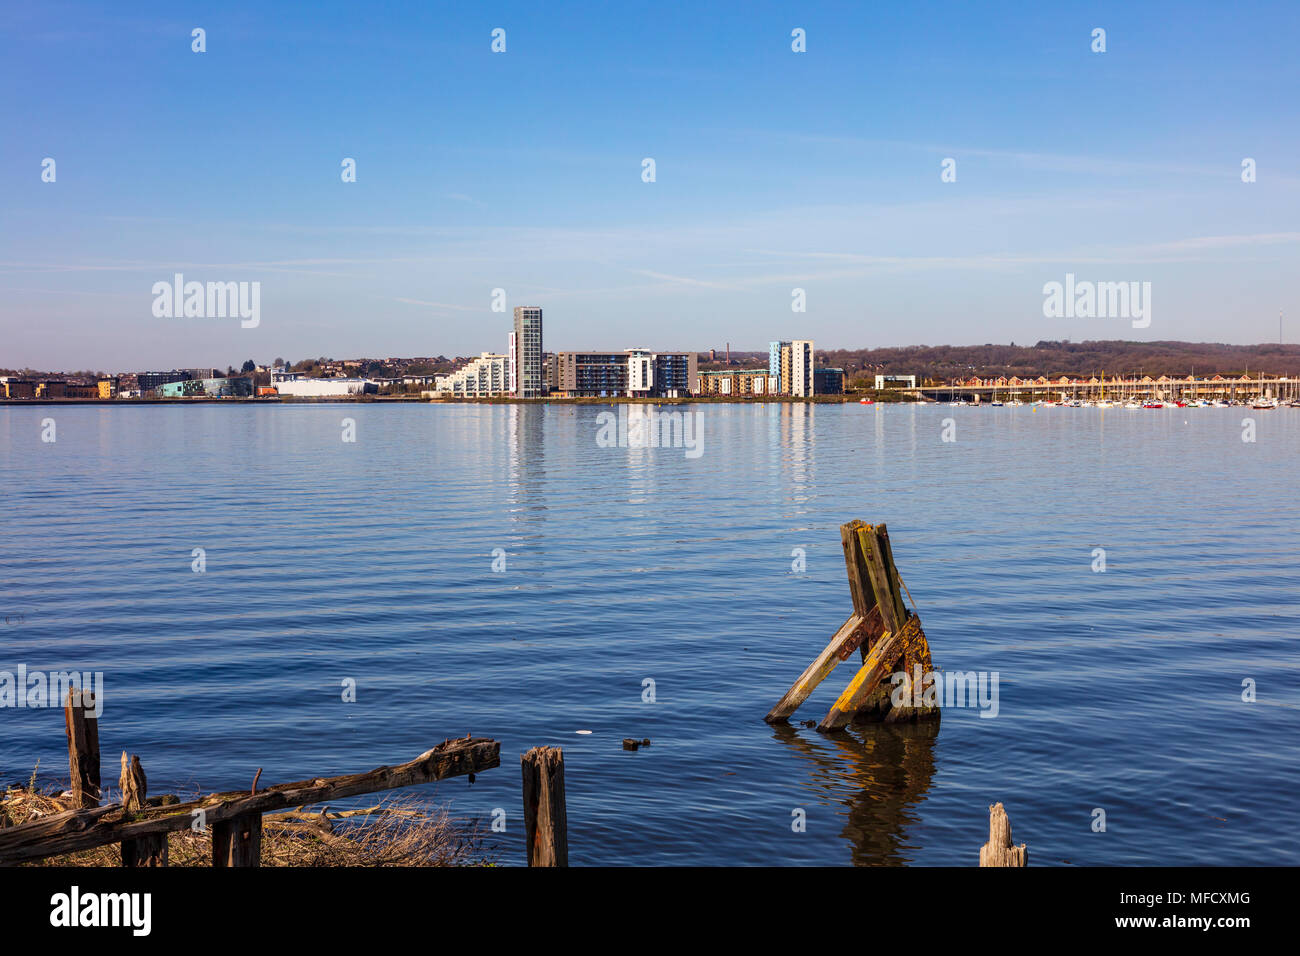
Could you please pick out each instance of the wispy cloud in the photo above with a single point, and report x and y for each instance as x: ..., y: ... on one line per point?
x: 444, y: 306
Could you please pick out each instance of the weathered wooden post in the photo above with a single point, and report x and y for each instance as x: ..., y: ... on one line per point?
x: 83, y: 748
x: 887, y: 633
x: 146, y: 850
x: 999, y: 851
x: 546, y: 823
x: 237, y: 841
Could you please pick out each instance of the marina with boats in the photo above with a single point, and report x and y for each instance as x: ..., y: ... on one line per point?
x: 1139, y: 392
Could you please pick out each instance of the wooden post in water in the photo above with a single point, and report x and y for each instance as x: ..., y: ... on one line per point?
x: 889, y: 636
x: 83, y: 748
x: 148, y: 850
x: 999, y: 851
x: 546, y: 823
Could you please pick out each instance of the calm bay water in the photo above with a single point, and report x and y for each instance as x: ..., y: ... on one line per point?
x: 373, y: 560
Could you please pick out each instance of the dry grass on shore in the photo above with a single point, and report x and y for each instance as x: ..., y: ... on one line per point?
x: 396, y: 831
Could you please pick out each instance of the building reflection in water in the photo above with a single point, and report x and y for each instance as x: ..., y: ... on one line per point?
x: 526, y: 469
x: 876, y: 775
x: 790, y: 431
x: 643, y: 477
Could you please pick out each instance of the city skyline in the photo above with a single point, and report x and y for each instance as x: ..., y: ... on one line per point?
x: 775, y: 173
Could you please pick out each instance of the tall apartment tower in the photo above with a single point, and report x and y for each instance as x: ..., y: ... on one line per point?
x: 791, y: 364
x: 526, y: 361
x: 802, y: 382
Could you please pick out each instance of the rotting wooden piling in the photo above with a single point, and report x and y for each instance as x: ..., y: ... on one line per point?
x: 83, y: 747
x: 1000, y: 851
x: 888, y: 635
x: 546, y: 822
x: 145, y: 851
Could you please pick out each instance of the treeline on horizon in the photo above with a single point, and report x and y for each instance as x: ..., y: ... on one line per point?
x: 1115, y: 358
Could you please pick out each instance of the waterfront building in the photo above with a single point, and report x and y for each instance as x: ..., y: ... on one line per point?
x: 774, y: 350
x: 297, y: 385
x: 675, y: 374
x: 828, y: 381
x: 512, y: 368
x: 632, y: 373
x: 152, y: 381
x: 792, y: 365
x: 428, y: 378
x: 640, y: 373
x: 587, y: 374
x: 738, y: 383
x: 487, y: 376
x: 19, y: 387
x: 208, y: 388
x: 797, y: 368
x: 527, y: 356
x: 908, y: 381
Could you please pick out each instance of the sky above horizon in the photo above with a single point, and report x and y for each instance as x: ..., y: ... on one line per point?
x: 522, y: 171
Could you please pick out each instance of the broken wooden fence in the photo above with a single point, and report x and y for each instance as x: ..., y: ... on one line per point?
x: 881, y: 626
x: 141, y: 823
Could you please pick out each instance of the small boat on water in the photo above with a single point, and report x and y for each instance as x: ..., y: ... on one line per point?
x: 866, y: 401
x: 1154, y: 405
x: 1263, y: 403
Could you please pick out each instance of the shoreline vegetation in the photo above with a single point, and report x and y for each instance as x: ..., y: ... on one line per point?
x: 395, y: 830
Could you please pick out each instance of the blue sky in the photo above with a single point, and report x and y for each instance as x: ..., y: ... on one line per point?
x: 522, y: 171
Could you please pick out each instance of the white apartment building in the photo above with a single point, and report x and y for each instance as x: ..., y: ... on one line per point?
x: 484, y: 377
x: 801, y: 367
x: 791, y: 364
x: 640, y: 372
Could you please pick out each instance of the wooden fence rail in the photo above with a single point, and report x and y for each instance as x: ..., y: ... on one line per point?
x: 235, y: 818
